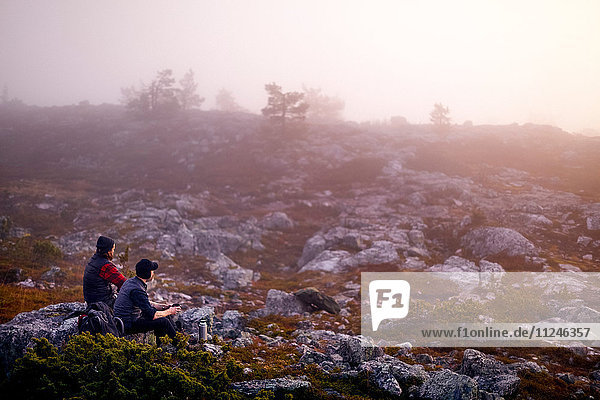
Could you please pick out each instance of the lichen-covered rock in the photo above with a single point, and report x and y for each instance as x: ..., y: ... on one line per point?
x: 357, y: 349
x: 191, y: 317
x: 277, y: 386
x: 491, y: 375
x: 483, y: 242
x: 380, y: 374
x: 53, y: 322
x: 232, y: 323
x: 448, y: 385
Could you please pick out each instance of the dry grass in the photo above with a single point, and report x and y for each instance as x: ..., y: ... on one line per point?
x: 14, y: 299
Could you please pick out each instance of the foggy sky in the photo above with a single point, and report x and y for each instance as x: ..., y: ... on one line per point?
x: 490, y: 61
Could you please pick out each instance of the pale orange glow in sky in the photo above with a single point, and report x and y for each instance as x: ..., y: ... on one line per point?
x: 490, y: 61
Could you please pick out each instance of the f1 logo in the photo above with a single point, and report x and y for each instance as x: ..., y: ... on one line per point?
x: 389, y: 300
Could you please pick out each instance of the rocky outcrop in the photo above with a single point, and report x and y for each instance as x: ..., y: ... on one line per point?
x: 483, y: 242
x: 55, y: 323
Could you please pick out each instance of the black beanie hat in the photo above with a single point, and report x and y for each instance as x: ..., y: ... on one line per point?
x: 144, y: 267
x: 105, y: 244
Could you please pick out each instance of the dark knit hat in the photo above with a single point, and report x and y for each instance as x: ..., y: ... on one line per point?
x: 105, y: 244
x: 144, y: 267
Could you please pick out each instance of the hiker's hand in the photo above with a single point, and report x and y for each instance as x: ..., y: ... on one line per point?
x: 174, y: 310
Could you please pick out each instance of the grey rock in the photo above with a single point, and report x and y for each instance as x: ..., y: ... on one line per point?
x: 459, y: 264
x: 584, y: 241
x: 50, y: 322
x: 320, y: 242
x: 582, y: 314
x: 476, y: 363
x: 448, y: 385
x: 211, y: 243
x: 505, y: 385
x: 191, y: 317
x: 281, y: 303
x: 417, y: 238
x: 277, y: 386
x: 213, y: 349
x: 357, y: 349
x: 488, y: 266
x: 328, y: 261
x: 380, y: 374
x: 525, y: 366
x: 593, y: 223
x: 245, y: 339
x: 407, y: 374
x: 483, y: 242
x: 314, y: 246
x: 231, y: 275
x: 185, y: 240
x: 595, y: 375
x: 569, y: 267
x: 233, y: 319
x: 491, y: 375
x: 414, y: 263
x: 566, y: 377
x: 310, y: 356
x: 313, y: 298
x: 416, y: 252
x: 276, y: 221
x: 53, y: 274
x: 424, y: 358
x: 380, y: 252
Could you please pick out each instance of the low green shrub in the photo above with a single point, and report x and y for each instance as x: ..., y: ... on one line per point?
x: 106, y: 367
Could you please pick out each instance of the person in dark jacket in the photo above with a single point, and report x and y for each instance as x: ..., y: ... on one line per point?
x: 137, y: 312
x: 101, y: 274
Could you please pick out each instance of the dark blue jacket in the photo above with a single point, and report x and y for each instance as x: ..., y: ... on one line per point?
x: 132, y: 302
x: 95, y: 288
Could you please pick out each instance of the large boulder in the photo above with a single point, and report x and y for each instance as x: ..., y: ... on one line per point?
x: 56, y: 323
x: 483, y: 242
x: 317, y: 300
x: 282, y: 303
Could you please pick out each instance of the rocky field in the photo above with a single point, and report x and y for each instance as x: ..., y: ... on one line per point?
x: 240, y: 216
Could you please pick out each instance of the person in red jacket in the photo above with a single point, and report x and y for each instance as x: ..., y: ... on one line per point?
x: 101, y: 276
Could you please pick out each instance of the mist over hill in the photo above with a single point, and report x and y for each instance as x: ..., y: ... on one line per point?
x: 232, y: 207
